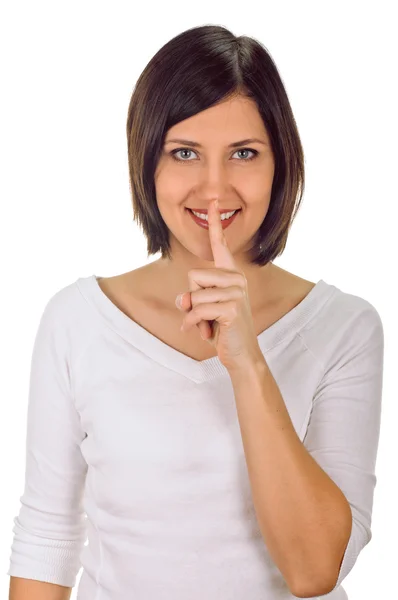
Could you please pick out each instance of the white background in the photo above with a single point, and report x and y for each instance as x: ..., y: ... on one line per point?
x: 67, y: 73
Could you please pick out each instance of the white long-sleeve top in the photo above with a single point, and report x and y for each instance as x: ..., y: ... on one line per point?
x: 136, y: 448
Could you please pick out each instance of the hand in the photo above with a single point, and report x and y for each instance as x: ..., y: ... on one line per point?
x: 220, y: 295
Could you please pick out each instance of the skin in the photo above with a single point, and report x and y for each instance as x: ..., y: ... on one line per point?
x: 214, y: 170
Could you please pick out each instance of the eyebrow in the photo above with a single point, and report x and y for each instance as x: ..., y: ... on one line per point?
x: 233, y: 145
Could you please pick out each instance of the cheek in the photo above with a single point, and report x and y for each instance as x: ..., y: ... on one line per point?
x: 258, y: 184
x: 169, y: 185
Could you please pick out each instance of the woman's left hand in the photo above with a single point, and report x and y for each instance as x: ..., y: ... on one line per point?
x: 220, y: 295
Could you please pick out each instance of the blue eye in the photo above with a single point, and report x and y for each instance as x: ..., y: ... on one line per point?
x: 174, y: 152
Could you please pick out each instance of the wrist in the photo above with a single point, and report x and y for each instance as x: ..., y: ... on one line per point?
x: 249, y: 370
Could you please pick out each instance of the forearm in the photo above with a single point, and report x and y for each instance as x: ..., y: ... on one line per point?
x: 30, y: 589
x: 303, y: 516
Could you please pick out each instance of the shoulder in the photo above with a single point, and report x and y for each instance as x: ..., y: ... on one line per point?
x: 132, y: 283
x: 134, y: 292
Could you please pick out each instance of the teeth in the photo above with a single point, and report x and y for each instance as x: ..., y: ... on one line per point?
x: 223, y: 216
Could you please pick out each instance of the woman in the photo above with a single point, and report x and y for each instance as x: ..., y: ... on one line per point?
x: 234, y: 458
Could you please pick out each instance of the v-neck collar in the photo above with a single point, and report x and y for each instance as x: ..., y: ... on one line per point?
x: 197, y: 370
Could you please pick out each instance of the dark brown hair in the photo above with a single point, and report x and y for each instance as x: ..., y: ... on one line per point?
x: 192, y: 72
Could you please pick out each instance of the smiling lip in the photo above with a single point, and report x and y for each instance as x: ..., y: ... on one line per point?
x: 204, y: 211
x: 205, y: 225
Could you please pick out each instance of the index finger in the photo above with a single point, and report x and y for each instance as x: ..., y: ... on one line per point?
x: 223, y: 258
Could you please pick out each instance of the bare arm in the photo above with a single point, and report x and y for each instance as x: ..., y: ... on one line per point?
x: 298, y: 506
x: 30, y: 589
x: 314, y: 499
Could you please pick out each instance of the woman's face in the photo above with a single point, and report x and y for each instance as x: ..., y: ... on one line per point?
x: 191, y: 175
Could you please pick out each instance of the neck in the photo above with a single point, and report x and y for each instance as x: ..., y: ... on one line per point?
x: 171, y: 277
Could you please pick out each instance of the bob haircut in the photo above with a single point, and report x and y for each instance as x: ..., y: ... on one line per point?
x: 197, y: 69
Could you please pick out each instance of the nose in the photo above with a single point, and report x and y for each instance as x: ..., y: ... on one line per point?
x: 214, y: 181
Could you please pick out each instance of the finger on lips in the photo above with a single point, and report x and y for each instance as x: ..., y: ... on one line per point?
x: 222, y: 259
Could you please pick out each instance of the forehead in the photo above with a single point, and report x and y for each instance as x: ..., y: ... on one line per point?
x: 232, y: 120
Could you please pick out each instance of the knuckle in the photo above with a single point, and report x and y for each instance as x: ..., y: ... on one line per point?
x: 234, y: 310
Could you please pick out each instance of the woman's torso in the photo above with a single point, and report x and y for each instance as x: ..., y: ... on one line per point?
x: 134, y: 293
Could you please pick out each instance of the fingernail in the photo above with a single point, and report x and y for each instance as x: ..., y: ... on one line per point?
x: 179, y: 300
